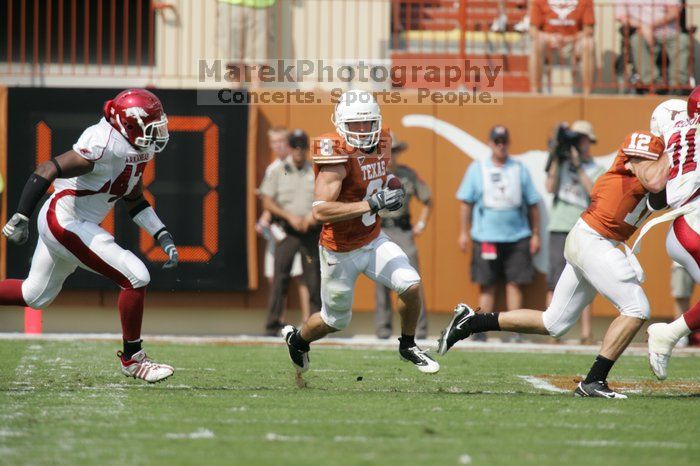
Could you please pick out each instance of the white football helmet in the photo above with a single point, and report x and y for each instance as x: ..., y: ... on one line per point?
x: 357, y: 105
x: 665, y: 114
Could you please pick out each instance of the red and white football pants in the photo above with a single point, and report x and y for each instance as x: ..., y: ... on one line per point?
x: 683, y: 246
x: 66, y: 243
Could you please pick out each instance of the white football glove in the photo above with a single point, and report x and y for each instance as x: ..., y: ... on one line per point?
x: 168, y: 244
x: 17, y: 229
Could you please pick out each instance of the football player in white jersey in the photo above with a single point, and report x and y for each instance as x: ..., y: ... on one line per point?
x: 106, y: 164
x: 677, y: 124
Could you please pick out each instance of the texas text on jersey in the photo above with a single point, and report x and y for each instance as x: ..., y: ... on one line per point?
x: 618, y: 199
x: 366, y: 174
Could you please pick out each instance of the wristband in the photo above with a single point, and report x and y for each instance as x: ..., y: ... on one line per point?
x: 59, y: 170
x: 33, y: 191
x: 138, y: 208
x: 149, y: 221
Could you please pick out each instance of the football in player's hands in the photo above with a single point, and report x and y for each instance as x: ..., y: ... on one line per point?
x: 386, y: 198
x: 394, y: 183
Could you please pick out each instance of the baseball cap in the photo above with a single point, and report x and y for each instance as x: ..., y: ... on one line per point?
x: 298, y: 139
x: 499, y: 132
x: 584, y: 127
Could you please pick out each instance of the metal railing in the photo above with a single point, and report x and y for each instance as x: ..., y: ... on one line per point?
x: 149, y: 42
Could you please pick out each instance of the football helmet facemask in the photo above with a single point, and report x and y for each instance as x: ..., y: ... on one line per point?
x: 353, y: 106
x: 138, y: 116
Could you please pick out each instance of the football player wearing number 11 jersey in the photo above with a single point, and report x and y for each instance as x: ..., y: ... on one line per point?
x: 352, y: 185
x: 595, y: 264
x: 106, y: 164
x: 683, y: 238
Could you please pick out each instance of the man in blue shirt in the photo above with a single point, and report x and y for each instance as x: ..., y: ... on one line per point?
x: 499, y: 201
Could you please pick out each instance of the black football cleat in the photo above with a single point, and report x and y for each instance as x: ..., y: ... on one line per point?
x: 299, y: 358
x: 457, y: 329
x: 597, y: 389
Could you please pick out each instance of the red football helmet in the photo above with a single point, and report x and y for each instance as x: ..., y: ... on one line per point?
x: 694, y: 103
x: 138, y: 115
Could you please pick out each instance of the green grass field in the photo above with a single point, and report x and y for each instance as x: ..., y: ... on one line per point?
x: 66, y: 403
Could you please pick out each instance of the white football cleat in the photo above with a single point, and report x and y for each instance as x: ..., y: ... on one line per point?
x: 420, y: 359
x: 660, y: 347
x: 141, y: 367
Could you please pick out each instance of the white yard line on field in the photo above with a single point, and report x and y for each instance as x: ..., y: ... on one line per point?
x: 635, y: 444
x: 542, y: 384
x: 200, y: 433
x: 359, y: 342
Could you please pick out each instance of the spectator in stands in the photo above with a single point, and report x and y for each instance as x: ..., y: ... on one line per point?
x: 278, y: 138
x: 402, y: 231
x: 571, y: 173
x: 500, y: 23
x: 499, y: 201
x: 288, y: 194
x: 562, y: 31
x: 654, y: 33
x: 246, y: 34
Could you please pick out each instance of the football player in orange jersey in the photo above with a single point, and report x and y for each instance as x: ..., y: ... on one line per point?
x: 352, y: 185
x: 595, y: 264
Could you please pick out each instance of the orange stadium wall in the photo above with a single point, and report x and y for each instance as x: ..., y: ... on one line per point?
x: 445, y: 270
x: 442, y: 165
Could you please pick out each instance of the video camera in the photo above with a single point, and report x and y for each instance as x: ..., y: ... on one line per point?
x: 560, y: 146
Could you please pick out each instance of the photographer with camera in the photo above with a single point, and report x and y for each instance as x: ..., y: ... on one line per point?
x: 571, y: 173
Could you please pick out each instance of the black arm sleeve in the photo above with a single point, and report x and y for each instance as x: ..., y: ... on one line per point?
x: 33, y: 191
x: 657, y: 201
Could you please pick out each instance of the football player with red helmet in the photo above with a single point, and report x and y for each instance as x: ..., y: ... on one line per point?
x: 106, y: 164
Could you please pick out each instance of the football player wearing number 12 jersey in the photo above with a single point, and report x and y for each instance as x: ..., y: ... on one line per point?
x: 352, y: 185
x: 106, y: 164
x: 595, y: 264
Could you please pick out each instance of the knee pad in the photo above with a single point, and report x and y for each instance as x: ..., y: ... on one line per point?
x: 557, y: 326
x: 138, y: 273
x: 640, y: 309
x: 38, y: 297
x: 404, y: 278
x: 336, y: 304
x: 337, y: 320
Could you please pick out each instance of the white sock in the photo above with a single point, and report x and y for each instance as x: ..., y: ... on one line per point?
x: 678, y: 329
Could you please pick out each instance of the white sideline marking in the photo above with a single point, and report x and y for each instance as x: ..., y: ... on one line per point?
x: 350, y: 438
x: 200, y: 433
x: 273, y: 437
x: 542, y: 384
x: 618, y: 443
x: 359, y: 342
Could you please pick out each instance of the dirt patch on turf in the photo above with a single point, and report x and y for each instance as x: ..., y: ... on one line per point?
x: 669, y: 387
